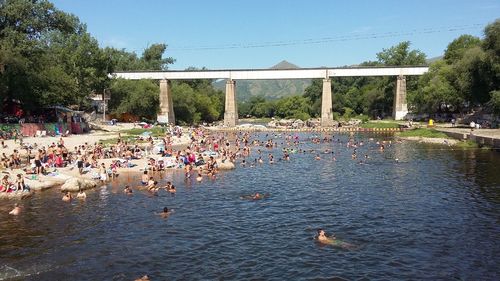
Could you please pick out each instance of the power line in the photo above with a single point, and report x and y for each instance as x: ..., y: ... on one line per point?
x: 339, y: 38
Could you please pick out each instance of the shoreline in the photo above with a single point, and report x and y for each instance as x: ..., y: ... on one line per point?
x: 443, y: 141
x: 69, y: 179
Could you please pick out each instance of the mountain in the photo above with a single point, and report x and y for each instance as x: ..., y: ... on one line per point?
x: 431, y: 60
x: 270, y: 89
x: 284, y: 65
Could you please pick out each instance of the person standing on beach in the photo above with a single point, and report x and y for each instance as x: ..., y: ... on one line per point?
x: 103, y: 173
x: 79, y: 162
x: 38, y: 163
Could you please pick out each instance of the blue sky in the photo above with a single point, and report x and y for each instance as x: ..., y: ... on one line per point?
x: 224, y: 34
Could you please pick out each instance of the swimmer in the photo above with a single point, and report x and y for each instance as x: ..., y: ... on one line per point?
x: 172, y: 189
x: 81, y: 195
x: 199, y: 177
x: 145, y: 178
x: 151, y: 183
x: 256, y: 196
x: 322, y: 238
x: 317, y: 157
x: 67, y: 197
x: 166, y: 212
x: 127, y: 190
x: 143, y: 278
x: 168, y: 186
x: 153, y: 187
x: 16, y: 210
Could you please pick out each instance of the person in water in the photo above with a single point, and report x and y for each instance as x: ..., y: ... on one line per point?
x: 322, y: 238
x: 166, y: 212
x: 81, y: 195
x: 127, y: 190
x: 153, y: 187
x: 67, y: 197
x: 143, y: 278
x: 16, y: 210
x: 144, y: 178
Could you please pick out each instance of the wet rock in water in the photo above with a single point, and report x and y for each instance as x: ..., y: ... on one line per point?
x: 15, y: 195
x: 75, y: 184
x: 39, y: 185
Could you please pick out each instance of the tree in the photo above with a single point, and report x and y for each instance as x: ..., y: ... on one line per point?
x: 495, y: 101
x: 48, y: 56
x: 293, y: 106
x: 401, y: 55
x: 456, y: 49
x: 152, y: 58
x: 139, y: 97
x: 491, y: 46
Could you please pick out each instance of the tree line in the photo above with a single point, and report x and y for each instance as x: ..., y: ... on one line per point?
x: 466, y: 77
x: 47, y: 57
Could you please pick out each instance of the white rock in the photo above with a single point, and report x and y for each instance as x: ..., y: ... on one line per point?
x: 75, y: 184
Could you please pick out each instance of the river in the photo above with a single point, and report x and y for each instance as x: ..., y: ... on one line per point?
x: 413, y: 211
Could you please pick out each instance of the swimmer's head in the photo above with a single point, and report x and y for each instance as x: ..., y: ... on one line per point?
x: 145, y: 172
x: 165, y: 210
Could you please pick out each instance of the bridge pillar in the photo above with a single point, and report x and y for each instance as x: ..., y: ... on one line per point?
x: 400, y: 108
x: 231, y: 107
x: 166, y: 114
x: 326, y: 104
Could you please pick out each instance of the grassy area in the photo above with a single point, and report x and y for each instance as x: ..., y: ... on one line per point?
x: 255, y: 120
x: 155, y: 131
x: 371, y: 125
x: 423, y: 132
x: 129, y: 140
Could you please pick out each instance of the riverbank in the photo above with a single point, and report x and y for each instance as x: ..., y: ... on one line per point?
x: 70, y: 179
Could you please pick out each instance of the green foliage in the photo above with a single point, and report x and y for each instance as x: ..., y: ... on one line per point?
x: 457, y: 48
x: 138, y: 97
x: 468, y: 76
x: 196, y: 102
x: 48, y: 55
x: 401, y: 55
x: 371, y: 96
x: 347, y: 113
x: 495, y: 101
x: 294, y: 106
x: 364, y: 118
x: 155, y: 131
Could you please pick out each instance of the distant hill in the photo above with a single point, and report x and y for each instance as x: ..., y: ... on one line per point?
x: 270, y: 89
x: 284, y: 65
x: 431, y: 60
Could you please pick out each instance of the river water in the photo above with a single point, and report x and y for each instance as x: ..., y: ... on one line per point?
x: 432, y: 215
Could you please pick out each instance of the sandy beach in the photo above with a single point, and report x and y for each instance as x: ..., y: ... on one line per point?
x: 69, y: 177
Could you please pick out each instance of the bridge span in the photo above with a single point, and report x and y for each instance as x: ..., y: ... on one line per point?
x: 166, y: 115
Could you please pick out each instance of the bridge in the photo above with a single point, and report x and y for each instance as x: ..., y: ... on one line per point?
x: 166, y: 115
